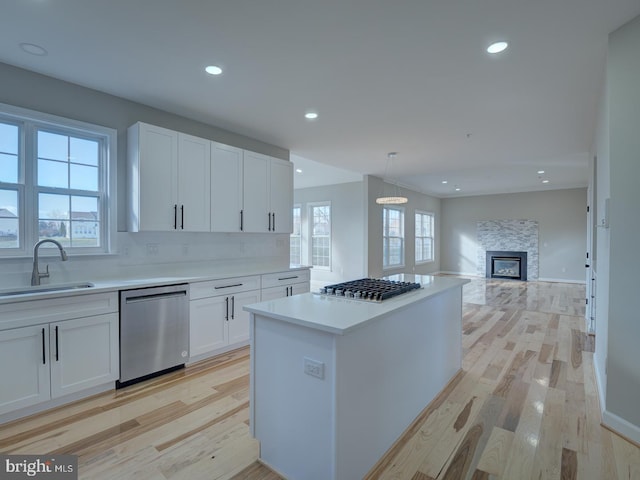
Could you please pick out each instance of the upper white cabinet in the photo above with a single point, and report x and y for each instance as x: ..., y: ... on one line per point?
x: 226, y: 188
x: 168, y: 180
x: 268, y: 194
x: 185, y: 183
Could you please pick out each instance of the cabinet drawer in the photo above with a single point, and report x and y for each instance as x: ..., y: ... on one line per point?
x: 224, y: 286
x: 21, y: 314
x: 285, y: 278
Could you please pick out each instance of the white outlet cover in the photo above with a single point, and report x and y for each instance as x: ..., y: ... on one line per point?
x: 314, y: 368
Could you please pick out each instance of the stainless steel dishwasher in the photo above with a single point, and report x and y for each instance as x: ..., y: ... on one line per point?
x: 154, y: 331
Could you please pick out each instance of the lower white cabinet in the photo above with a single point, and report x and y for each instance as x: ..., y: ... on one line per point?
x: 43, y: 362
x: 217, y: 319
x: 284, y: 284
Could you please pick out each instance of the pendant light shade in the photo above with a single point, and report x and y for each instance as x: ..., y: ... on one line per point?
x: 396, y: 198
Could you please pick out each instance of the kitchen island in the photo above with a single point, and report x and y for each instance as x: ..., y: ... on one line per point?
x: 335, y: 381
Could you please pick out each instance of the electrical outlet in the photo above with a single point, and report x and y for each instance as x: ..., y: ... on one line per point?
x: 152, y: 249
x: 313, y: 368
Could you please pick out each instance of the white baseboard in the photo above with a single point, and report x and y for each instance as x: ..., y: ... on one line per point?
x: 446, y: 272
x: 611, y: 420
x: 621, y: 426
x: 562, y: 280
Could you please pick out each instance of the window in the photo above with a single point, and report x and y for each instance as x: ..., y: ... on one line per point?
x: 424, y: 237
x: 393, y: 237
x: 295, y: 242
x: 320, y: 224
x: 56, y: 181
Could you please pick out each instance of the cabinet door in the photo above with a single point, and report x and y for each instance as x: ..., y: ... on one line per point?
x: 272, y: 293
x: 194, y: 183
x: 298, y: 288
x: 256, y: 195
x: 281, y: 196
x: 226, y: 187
x: 24, y: 367
x: 238, y: 323
x: 207, y: 324
x: 157, y: 174
x: 84, y: 353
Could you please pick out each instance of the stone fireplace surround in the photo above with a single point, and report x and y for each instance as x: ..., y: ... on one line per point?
x: 508, y: 235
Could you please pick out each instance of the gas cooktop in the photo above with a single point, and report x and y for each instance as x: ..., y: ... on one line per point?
x: 369, y: 289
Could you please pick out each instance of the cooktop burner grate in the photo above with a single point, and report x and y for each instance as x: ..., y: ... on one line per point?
x: 370, y: 289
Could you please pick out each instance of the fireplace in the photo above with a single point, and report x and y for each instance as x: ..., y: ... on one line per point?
x: 511, y: 265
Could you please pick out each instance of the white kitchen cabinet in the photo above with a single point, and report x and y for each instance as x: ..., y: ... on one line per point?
x: 84, y: 353
x: 284, y: 284
x: 168, y: 180
x: 268, y: 194
x: 57, y: 347
x: 226, y: 188
x: 216, y: 317
x: 194, y: 184
x: 281, y: 196
x: 44, y: 362
x: 24, y: 367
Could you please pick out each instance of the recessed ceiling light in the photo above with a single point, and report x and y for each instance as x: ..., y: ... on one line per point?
x: 311, y: 115
x: 545, y: 181
x: 457, y: 189
x: 540, y: 172
x: 298, y: 170
x: 213, y: 70
x: 444, y: 182
x: 497, y: 47
x: 33, y: 49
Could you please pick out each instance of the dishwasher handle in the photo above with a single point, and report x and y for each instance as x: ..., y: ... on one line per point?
x: 154, y: 296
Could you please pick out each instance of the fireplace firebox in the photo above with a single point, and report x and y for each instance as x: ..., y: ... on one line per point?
x: 511, y: 265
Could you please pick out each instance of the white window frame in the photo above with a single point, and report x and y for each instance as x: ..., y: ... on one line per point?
x: 431, y: 236
x: 310, y: 208
x: 29, y: 122
x: 299, y: 236
x: 385, y: 235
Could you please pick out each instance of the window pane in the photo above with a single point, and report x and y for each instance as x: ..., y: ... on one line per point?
x: 84, y: 178
x: 85, y: 222
x: 53, y: 213
x: 8, y: 168
x: 53, y: 146
x: 53, y: 174
x: 8, y: 138
x: 9, y: 227
x: 83, y: 151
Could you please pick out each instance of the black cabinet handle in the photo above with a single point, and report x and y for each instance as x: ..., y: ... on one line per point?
x: 57, y: 352
x: 182, y: 217
x: 269, y: 215
x: 274, y: 221
x: 228, y: 286
x: 175, y: 217
x: 241, y: 220
x: 233, y: 307
x: 44, y: 358
x: 288, y: 278
x: 226, y: 315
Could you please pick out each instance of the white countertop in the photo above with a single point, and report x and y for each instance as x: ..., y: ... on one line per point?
x: 102, y: 286
x: 340, y: 315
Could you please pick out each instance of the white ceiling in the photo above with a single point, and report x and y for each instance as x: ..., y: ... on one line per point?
x: 410, y: 76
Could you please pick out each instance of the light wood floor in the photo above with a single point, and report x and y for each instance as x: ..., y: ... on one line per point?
x: 525, y: 406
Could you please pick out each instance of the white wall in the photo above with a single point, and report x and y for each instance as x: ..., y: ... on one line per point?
x: 375, y: 187
x: 562, y: 223
x: 176, y: 250
x: 347, y: 230
x: 623, y: 354
x: 602, y: 244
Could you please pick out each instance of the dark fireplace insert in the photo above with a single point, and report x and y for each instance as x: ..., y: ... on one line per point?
x: 511, y: 265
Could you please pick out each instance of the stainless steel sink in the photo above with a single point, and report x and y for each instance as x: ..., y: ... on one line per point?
x: 45, y: 289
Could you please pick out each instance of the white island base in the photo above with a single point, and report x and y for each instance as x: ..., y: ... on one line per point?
x: 379, y: 366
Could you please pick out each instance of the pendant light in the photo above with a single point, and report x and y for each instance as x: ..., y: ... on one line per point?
x: 396, y: 198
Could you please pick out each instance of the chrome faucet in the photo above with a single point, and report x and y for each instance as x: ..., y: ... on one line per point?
x: 36, y: 275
